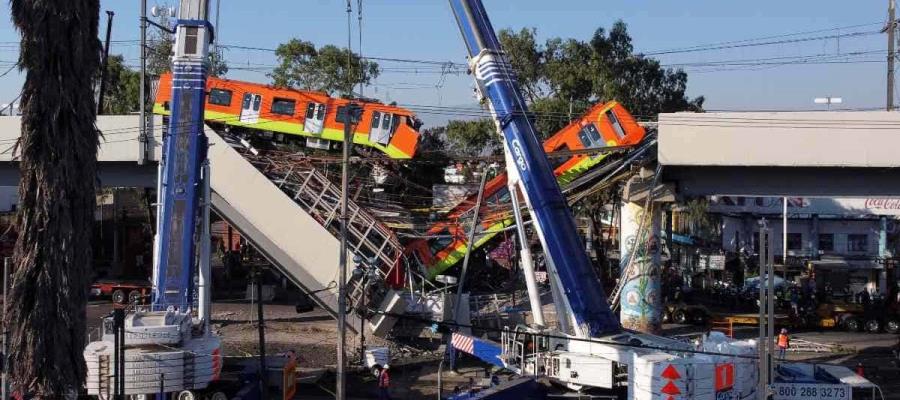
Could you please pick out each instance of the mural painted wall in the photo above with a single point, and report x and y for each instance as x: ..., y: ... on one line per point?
x: 640, y: 305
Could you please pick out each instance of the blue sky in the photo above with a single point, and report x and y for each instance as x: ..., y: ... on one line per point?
x: 425, y: 30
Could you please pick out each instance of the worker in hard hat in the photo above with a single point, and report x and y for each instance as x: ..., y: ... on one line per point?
x: 384, y: 383
x: 783, y: 343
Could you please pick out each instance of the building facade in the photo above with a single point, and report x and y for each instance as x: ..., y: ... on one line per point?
x: 848, y: 243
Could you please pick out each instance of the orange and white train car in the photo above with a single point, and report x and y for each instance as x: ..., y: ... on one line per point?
x: 313, y: 116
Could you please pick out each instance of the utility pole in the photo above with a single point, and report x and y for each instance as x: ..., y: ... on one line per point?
x: 784, y: 238
x: 260, y: 322
x: 362, y: 71
x: 762, y: 343
x: 216, y: 37
x: 891, y: 30
x: 351, y: 115
x: 104, y: 72
x: 457, y: 303
x: 142, y: 137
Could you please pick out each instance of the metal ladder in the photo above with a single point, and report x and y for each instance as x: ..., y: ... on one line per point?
x: 320, y: 198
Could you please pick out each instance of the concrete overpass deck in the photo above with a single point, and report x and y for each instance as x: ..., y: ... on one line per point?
x: 118, y: 154
x: 833, y: 153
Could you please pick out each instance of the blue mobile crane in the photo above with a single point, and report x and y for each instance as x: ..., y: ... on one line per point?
x: 168, y: 348
x: 589, y: 349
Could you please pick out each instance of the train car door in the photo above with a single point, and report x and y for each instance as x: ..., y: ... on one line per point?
x: 250, y: 108
x: 315, y: 118
x: 381, y: 128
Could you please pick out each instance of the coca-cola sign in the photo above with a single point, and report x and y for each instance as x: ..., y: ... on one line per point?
x: 883, y: 204
x: 835, y: 206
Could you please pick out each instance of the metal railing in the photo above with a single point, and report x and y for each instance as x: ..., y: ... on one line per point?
x: 312, y: 191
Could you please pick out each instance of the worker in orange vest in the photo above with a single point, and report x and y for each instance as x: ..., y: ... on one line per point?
x: 783, y: 343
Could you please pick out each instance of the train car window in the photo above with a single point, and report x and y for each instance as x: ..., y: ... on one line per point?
x: 504, y: 196
x: 256, y: 102
x: 220, y: 97
x: 501, y: 197
x: 341, y: 115
x: 245, y: 104
x: 583, y: 137
x: 376, y: 118
x: 394, y: 124
x: 310, y: 110
x: 320, y: 114
x: 614, y: 121
x: 593, y: 134
x: 413, y: 122
x: 386, y: 121
x: 440, y: 242
x: 283, y: 106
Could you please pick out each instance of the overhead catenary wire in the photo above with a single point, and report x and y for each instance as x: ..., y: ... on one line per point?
x: 761, y: 42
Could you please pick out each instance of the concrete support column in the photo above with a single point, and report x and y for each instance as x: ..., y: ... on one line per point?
x: 640, y: 304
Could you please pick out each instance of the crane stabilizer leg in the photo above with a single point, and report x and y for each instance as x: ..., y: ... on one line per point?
x: 534, y: 297
x: 552, y: 219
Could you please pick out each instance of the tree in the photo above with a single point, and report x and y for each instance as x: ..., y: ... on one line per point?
x: 524, y: 54
x: 638, y: 82
x: 60, y: 53
x: 472, y: 138
x: 562, y: 78
x: 701, y: 223
x: 327, y: 69
x: 123, y: 87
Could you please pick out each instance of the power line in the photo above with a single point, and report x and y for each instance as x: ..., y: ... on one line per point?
x: 769, y: 43
x: 12, y: 67
x: 745, y: 41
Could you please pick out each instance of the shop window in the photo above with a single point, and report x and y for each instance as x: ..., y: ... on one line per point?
x: 794, y: 241
x: 857, y: 243
x: 826, y: 241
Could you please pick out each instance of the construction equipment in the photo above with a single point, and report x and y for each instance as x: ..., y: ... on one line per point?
x: 588, y: 349
x: 169, y: 348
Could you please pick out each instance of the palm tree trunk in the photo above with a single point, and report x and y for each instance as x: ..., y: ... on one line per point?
x: 60, y: 53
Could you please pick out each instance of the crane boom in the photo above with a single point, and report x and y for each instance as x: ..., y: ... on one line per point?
x: 184, y: 154
x: 147, y: 343
x: 555, y: 226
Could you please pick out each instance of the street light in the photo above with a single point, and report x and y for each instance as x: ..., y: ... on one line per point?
x: 828, y: 100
